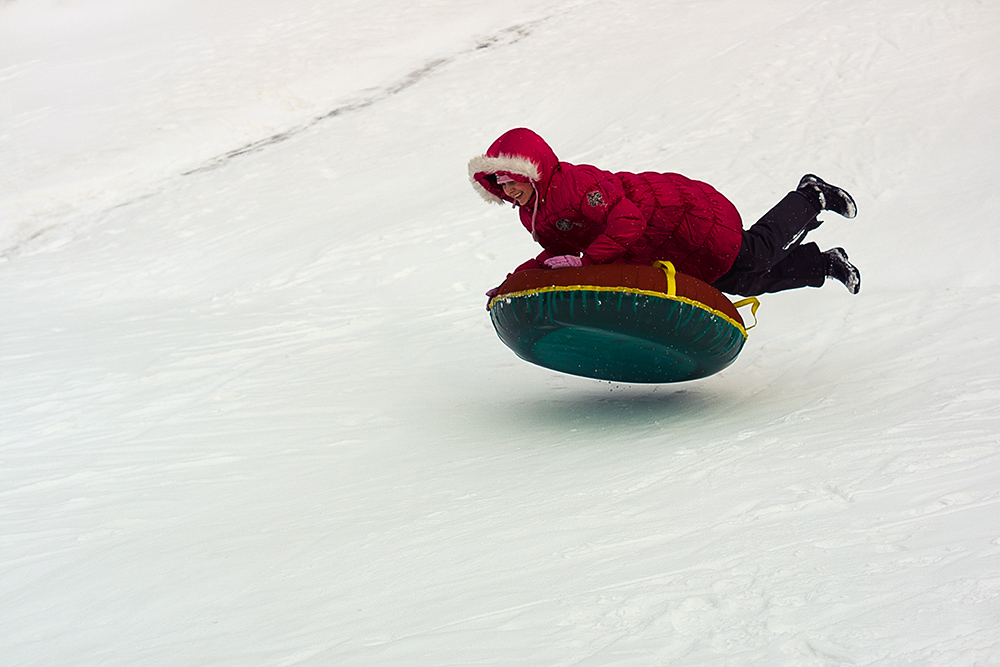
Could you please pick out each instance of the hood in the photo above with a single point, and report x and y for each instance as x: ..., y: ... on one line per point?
x: 518, y: 153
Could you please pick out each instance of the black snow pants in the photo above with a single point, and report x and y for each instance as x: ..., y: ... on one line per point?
x: 772, y: 256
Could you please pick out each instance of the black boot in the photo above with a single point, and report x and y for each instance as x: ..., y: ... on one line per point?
x: 839, y: 268
x: 826, y: 197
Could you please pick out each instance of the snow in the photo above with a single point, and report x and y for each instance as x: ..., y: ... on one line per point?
x: 254, y: 413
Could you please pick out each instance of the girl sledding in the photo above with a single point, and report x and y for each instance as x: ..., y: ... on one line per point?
x: 628, y: 284
x: 583, y: 215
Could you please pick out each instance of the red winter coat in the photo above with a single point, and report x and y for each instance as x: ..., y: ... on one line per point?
x: 612, y: 217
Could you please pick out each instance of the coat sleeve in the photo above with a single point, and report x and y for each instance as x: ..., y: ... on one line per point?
x: 605, y: 204
x: 534, y: 262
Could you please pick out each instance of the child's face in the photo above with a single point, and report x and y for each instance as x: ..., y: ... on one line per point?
x: 519, y: 192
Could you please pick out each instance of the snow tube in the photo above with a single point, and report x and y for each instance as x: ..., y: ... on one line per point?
x: 619, y: 322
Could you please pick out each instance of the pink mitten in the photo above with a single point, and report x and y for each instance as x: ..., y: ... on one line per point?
x: 490, y: 294
x: 562, y: 262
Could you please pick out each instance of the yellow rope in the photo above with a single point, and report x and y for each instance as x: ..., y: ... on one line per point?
x: 626, y: 290
x: 671, y: 294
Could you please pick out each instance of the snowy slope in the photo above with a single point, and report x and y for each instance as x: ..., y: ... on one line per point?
x: 253, y: 411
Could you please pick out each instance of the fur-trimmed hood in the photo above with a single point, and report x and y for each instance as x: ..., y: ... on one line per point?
x: 520, y: 154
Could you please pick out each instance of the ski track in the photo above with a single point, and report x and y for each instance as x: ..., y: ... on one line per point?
x: 509, y: 35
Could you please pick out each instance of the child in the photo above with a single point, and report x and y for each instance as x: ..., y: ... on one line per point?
x: 582, y: 215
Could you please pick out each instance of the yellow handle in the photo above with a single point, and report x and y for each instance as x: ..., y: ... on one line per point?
x: 671, y: 272
x: 754, y: 304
